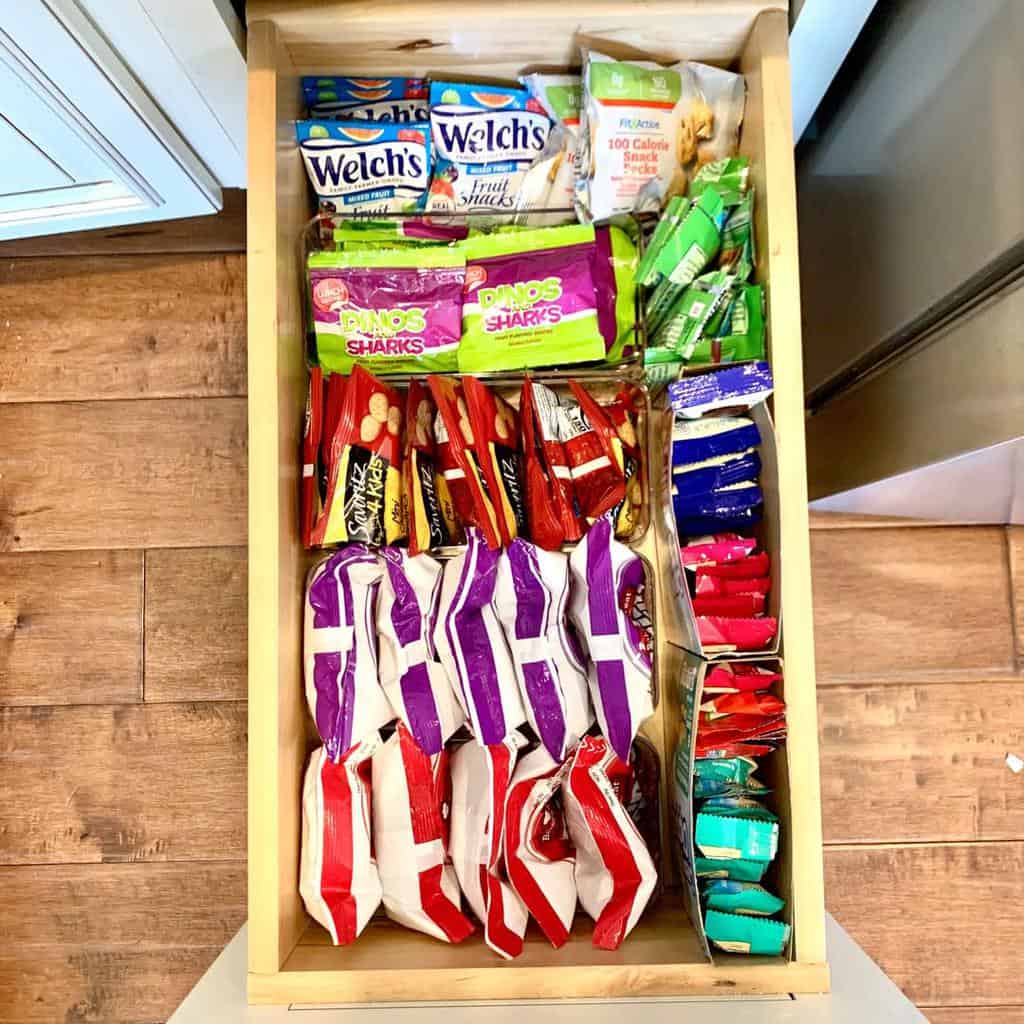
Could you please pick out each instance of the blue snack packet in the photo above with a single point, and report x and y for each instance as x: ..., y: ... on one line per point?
x: 705, y: 392
x: 711, y: 474
x: 399, y: 100
x: 697, y: 440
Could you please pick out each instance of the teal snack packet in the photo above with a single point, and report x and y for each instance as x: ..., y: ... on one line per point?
x: 732, y: 897
x: 738, y: 933
x: 683, y: 323
x: 737, y: 250
x: 735, y: 838
x: 737, y: 868
x: 729, y: 769
x: 529, y: 300
x: 730, y: 178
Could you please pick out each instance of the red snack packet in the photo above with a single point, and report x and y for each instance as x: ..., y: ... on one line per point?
x: 457, y: 458
x: 738, y: 606
x: 766, y: 704
x: 737, y: 678
x: 364, y: 490
x: 311, y: 434
x: 716, y: 549
x: 496, y: 443
x: 719, y: 586
x: 726, y: 634
x: 733, y: 749
x: 550, y: 503
x: 751, y: 567
x: 732, y: 728
x: 591, y: 448
x: 622, y: 414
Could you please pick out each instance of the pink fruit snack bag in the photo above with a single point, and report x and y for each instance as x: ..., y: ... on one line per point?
x: 410, y: 833
x: 480, y: 783
x: 615, y: 876
x: 414, y: 681
x: 338, y: 877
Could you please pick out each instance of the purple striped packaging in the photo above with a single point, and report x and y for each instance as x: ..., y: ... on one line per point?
x: 340, y: 649
x: 608, y: 608
x: 415, y: 682
x: 471, y: 643
x: 531, y: 600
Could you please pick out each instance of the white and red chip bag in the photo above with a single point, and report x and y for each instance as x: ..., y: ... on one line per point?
x: 410, y: 796
x: 531, y: 599
x: 338, y: 878
x: 615, y: 876
x: 609, y: 611
x: 414, y: 681
x: 480, y: 783
x: 539, y: 858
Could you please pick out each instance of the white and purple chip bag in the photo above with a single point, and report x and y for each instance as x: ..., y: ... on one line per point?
x: 531, y: 599
x: 609, y: 610
x: 471, y: 643
x: 340, y: 649
x: 415, y: 682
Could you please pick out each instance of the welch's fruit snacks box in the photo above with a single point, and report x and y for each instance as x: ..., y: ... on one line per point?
x: 366, y: 167
x: 485, y: 139
x: 401, y: 100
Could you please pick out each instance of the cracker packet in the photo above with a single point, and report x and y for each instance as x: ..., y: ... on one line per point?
x: 338, y: 878
x: 741, y: 933
x: 411, y: 799
x: 608, y: 608
x: 391, y: 310
x: 723, y: 94
x: 531, y: 599
x: 364, y: 489
x: 485, y: 137
x: 401, y: 100
x: 590, y: 441
x: 695, y: 441
x: 342, y: 688
x: 411, y: 676
x: 368, y: 168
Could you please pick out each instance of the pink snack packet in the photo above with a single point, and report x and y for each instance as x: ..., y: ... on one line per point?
x: 410, y: 834
x: 741, y: 606
x: 748, y: 703
x: 415, y: 682
x: 480, y: 783
x: 338, y: 878
x: 539, y: 857
x: 530, y: 598
x: 615, y: 876
x: 723, y: 586
x: 723, y: 634
x: 721, y: 547
x: 737, y: 677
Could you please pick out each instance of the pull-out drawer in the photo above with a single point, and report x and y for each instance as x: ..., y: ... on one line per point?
x: 290, y: 958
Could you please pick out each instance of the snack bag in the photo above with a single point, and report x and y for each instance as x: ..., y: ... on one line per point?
x: 338, y: 878
x: 471, y: 643
x: 745, y: 567
x: 561, y: 96
x: 339, y: 649
x: 496, y: 443
x: 355, y: 167
x: 550, y: 501
x: 410, y: 834
x: 721, y: 634
x: 590, y: 446
x: 530, y: 300
x: 539, y: 857
x: 486, y: 137
x: 312, y: 432
x: 401, y: 100
x: 457, y: 456
x: 712, y: 474
x: 741, y: 933
x: 697, y: 440
x: 615, y: 876
x: 622, y: 413
x: 632, y: 144
x: 364, y: 488
x: 391, y: 310
x: 480, y: 784
x: 615, y: 264
x: 739, y: 678
x: 716, y: 549
x: 396, y: 233
x: 531, y: 599
x: 411, y: 676
x: 723, y: 96
x: 431, y: 513
x: 608, y: 608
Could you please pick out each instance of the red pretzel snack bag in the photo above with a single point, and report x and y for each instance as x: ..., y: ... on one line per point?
x: 589, y: 439
x: 496, y: 443
x: 410, y: 836
x: 538, y: 855
x: 622, y: 414
x: 745, y: 703
x: 457, y: 457
x: 311, y: 434
x: 615, y: 876
x: 364, y: 491
x: 338, y: 878
x: 480, y: 785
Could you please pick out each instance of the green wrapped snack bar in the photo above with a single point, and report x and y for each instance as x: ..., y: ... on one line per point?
x: 727, y: 837
x: 692, y: 243
x: 742, y: 336
x: 737, y: 250
x: 670, y: 219
x: 737, y: 933
x: 623, y: 259
x: 737, y: 868
x: 734, y: 897
x: 683, y: 323
x: 729, y: 178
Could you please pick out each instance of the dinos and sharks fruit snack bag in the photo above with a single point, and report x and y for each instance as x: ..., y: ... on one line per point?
x: 393, y: 311
x: 485, y: 138
x: 561, y: 96
x: 361, y: 167
x: 401, y: 100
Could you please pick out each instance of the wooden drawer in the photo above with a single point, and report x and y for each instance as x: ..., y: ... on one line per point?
x: 289, y: 957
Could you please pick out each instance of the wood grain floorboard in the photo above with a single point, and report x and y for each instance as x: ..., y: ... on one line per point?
x: 71, y: 627
x: 942, y: 921
x: 98, y: 475
x: 911, y: 603
x: 974, y: 1014
x: 921, y: 763
x: 851, y: 520
x: 147, y: 782
x: 196, y: 613
x: 144, y: 327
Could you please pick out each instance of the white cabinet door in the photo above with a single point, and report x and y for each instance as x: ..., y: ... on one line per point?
x: 81, y: 144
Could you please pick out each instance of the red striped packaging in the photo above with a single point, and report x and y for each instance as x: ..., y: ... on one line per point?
x: 410, y: 831
x: 480, y: 784
x: 338, y: 877
x: 615, y: 876
x: 539, y: 857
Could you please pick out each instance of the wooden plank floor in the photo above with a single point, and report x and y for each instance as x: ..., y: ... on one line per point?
x: 122, y: 664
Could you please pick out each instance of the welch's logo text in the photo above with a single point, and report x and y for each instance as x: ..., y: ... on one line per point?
x: 337, y: 169
x: 482, y: 137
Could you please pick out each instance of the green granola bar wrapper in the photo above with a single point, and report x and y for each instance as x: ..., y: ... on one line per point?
x: 670, y: 219
x: 730, y: 178
x: 737, y: 253
x: 741, y: 334
x: 684, y: 323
